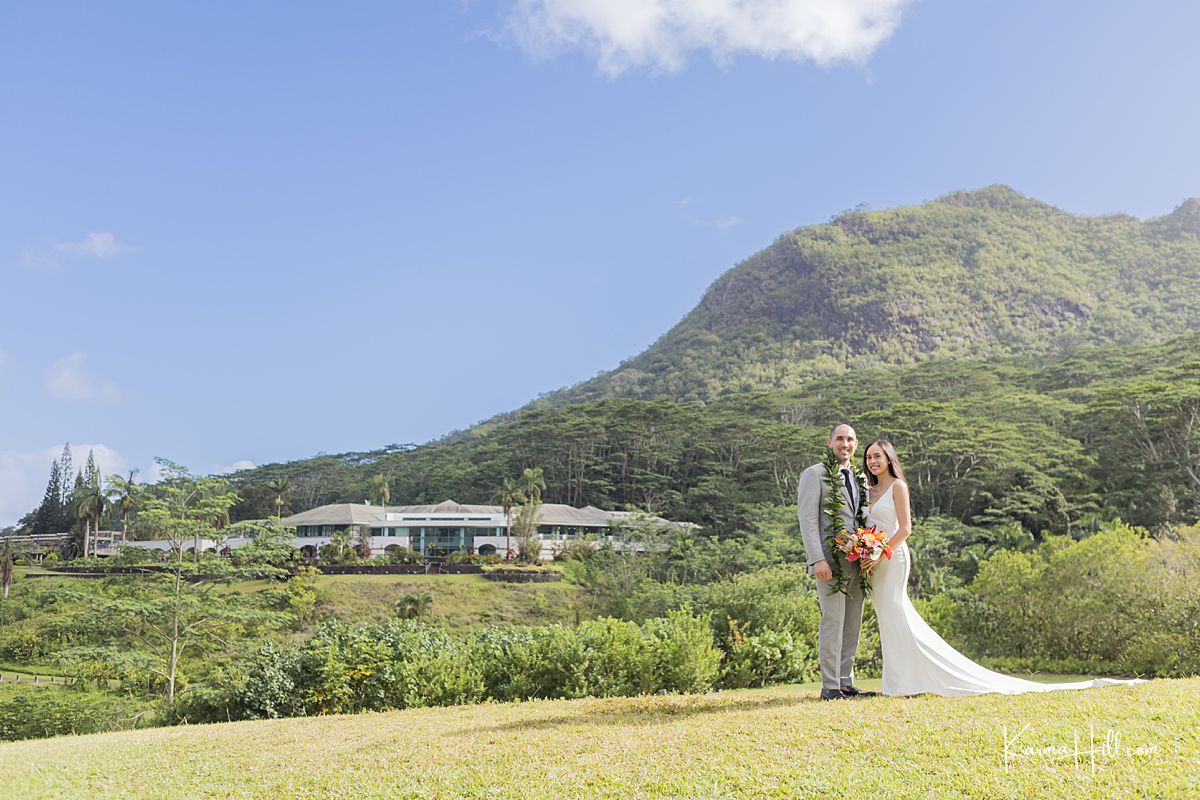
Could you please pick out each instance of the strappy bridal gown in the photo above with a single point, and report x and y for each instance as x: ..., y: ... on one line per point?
x: 915, y: 658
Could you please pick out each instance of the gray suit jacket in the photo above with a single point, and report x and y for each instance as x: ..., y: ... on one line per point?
x: 814, y: 522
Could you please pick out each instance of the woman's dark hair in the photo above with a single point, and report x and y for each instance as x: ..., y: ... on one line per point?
x: 889, y: 450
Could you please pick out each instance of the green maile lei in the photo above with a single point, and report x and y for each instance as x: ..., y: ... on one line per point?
x: 833, y: 509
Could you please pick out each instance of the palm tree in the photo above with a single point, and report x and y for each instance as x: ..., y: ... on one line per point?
x: 124, y: 497
x: 380, y: 490
x: 92, y: 505
x: 411, y: 606
x: 510, y: 495
x: 533, y: 483
x: 6, y: 565
x: 280, y: 486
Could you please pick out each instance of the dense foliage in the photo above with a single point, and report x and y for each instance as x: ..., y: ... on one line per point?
x: 35, y: 713
x: 1119, y: 598
x: 409, y: 663
x: 1049, y: 444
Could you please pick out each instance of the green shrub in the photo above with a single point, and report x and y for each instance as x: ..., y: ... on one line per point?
x: 413, y: 604
x: 546, y: 661
x: 46, y: 711
x: 685, y: 657
x: 765, y: 658
x: 23, y: 642
x: 780, y: 598
x: 618, y: 660
x: 130, y: 556
x: 268, y: 690
x: 301, y: 592
x: 1119, y: 597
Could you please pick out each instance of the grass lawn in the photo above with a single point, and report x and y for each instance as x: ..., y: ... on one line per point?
x: 10, y: 668
x: 10, y: 690
x: 22, y: 572
x: 461, y: 602
x: 779, y: 742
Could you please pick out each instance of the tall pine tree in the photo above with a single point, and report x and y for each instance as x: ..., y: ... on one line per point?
x: 91, y: 474
x: 65, y: 467
x: 51, y: 514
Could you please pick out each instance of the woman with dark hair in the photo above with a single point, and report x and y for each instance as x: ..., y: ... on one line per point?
x: 915, y: 658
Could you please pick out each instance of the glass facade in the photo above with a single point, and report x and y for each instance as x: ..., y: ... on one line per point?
x: 318, y: 530
x: 439, y: 540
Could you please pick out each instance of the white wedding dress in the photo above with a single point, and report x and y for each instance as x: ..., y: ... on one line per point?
x: 915, y: 658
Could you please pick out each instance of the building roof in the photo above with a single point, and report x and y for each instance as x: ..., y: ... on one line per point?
x: 336, y: 514
x: 383, y: 516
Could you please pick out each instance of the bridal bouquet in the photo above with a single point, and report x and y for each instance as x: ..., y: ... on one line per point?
x: 864, y: 544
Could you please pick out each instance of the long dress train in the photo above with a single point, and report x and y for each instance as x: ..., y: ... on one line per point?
x: 915, y: 658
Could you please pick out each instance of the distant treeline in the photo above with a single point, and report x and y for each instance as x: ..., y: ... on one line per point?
x: 1055, y: 445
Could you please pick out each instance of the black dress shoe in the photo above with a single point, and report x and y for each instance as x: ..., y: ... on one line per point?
x: 850, y: 691
x: 833, y: 694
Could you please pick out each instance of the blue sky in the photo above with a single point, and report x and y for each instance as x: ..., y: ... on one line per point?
x: 250, y: 232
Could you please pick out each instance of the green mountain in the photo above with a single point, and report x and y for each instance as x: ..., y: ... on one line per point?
x: 1035, y: 366
x: 972, y: 274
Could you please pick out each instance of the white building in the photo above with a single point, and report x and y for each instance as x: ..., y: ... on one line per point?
x: 437, y: 530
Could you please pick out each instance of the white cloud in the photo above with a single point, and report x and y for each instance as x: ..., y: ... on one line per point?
x: 97, y: 244
x: 69, y: 379
x: 659, y: 35
x: 725, y: 223
x: 234, y: 467
x: 23, y: 474
x: 17, y: 495
x: 154, y: 474
x: 101, y: 244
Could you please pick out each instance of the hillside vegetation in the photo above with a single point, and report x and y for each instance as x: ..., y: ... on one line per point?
x: 972, y: 274
x: 1050, y: 444
x: 771, y: 743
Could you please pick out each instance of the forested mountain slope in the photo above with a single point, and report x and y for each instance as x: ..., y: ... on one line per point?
x: 972, y: 274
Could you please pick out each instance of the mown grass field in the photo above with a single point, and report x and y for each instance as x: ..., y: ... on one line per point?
x: 460, y: 602
x: 779, y: 742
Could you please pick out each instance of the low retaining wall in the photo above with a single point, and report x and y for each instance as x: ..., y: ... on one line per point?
x: 399, y: 569
x: 108, y: 570
x: 325, y: 569
x: 521, y: 576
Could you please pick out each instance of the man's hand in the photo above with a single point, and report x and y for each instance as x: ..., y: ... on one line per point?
x: 822, y: 571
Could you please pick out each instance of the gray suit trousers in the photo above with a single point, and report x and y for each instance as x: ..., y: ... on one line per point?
x: 841, y: 622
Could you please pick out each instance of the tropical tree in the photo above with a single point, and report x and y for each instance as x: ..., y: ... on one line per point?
x: 280, y: 487
x: 413, y: 605
x: 187, y: 504
x: 171, y: 612
x: 509, y: 495
x: 529, y: 545
x: 91, y: 505
x: 381, y: 490
x: 6, y: 565
x: 124, y: 495
x: 533, y: 483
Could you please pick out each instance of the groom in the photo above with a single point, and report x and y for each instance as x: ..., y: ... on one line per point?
x: 841, y: 613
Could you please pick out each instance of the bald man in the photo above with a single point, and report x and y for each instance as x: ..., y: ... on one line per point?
x: 841, y: 614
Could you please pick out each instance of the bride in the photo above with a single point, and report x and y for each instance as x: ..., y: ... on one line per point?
x: 915, y: 658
